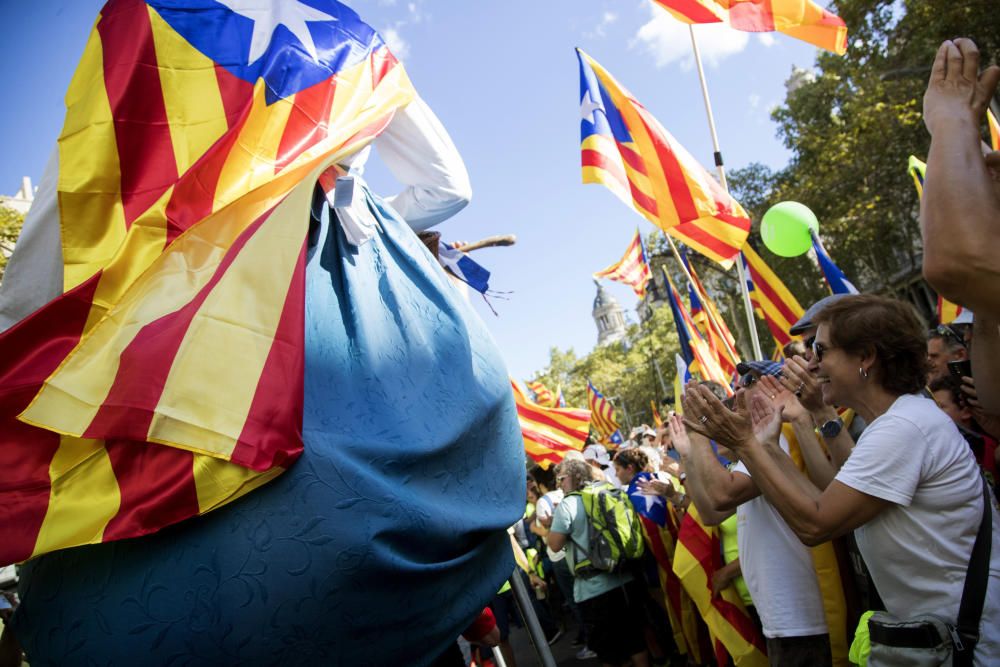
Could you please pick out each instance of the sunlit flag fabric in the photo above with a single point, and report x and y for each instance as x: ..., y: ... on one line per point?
x: 697, y: 556
x: 771, y: 299
x: 681, y: 379
x: 207, y: 333
x: 542, y: 395
x: 947, y: 311
x: 624, y: 148
x: 464, y: 268
x: 632, y: 269
x: 178, y: 171
x: 835, y: 278
x: 550, y: 432
x: 602, y: 416
x: 801, y: 19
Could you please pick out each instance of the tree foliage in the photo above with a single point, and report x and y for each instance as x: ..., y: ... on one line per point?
x: 850, y: 123
x: 10, y: 228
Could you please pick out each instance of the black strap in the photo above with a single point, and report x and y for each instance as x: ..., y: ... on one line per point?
x: 970, y: 611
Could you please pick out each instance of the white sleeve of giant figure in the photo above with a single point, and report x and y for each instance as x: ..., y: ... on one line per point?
x: 34, y: 274
x: 418, y: 151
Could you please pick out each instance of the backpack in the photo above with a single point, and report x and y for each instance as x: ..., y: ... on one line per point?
x: 614, y: 529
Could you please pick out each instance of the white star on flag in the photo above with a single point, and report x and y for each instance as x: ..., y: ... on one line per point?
x: 588, y: 107
x: 267, y: 15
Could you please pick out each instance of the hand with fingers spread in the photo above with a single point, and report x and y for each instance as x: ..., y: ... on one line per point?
x: 957, y: 91
x: 705, y: 414
x: 798, y: 379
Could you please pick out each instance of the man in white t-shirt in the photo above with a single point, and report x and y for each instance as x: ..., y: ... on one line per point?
x: 777, y: 567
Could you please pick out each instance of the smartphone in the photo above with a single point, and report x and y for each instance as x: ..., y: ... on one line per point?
x: 960, y: 369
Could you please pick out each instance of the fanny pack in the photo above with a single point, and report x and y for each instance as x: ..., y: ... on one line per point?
x: 928, y: 640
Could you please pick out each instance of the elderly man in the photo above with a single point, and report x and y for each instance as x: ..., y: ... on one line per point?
x: 944, y: 344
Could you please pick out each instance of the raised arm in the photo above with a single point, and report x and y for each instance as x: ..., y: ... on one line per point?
x: 715, y: 491
x: 960, y: 209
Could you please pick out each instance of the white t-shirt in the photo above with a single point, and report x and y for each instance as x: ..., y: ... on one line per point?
x: 918, y: 549
x: 778, y: 570
x: 544, y: 508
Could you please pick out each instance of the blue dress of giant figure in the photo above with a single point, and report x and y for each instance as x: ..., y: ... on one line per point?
x: 377, y: 547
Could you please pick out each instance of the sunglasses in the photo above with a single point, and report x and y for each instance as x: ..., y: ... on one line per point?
x: 948, y: 332
x: 819, y: 350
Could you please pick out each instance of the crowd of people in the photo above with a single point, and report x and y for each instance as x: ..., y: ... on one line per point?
x: 875, y: 436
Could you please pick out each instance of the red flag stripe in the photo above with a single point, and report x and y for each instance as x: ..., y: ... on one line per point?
x: 542, y: 418
x: 592, y: 158
x: 283, y: 374
x: 765, y: 287
x: 307, y: 123
x: 32, y: 349
x: 544, y: 440
x: 632, y: 158
x: 694, y: 11
x: 193, y: 197
x: 132, y: 80
x: 680, y: 192
x: 144, y: 470
x: 128, y: 410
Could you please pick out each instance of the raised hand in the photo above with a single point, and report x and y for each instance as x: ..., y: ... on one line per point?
x: 800, y: 381
x: 778, y: 392
x: 765, y: 415
x: 956, y: 90
x: 655, y: 487
x: 705, y: 414
x: 678, y: 435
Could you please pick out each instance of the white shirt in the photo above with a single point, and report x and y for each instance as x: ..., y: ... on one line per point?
x: 544, y: 509
x: 918, y: 549
x: 778, y: 570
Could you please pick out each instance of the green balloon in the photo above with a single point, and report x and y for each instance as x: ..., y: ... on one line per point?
x: 787, y: 228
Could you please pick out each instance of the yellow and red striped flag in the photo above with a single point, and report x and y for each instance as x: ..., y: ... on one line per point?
x: 155, y: 388
x: 947, y: 311
x: 708, y: 320
x: 602, y: 416
x: 624, y: 148
x: 801, y: 19
x: 632, y: 269
x: 657, y: 419
x: 543, y: 395
x: 550, y: 432
x: 697, y: 556
x: 694, y: 349
x: 771, y: 299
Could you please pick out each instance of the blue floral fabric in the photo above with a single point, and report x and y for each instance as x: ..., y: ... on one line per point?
x: 377, y: 547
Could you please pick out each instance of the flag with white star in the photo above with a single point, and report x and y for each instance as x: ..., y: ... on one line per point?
x: 195, y: 131
x: 653, y: 508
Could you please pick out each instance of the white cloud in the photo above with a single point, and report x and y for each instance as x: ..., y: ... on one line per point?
x: 668, y: 41
x: 766, y: 39
x: 399, y: 46
x: 600, y: 30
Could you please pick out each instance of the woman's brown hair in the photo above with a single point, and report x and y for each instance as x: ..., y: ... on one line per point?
x: 865, y: 323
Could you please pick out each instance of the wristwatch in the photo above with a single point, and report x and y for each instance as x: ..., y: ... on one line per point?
x: 832, y: 428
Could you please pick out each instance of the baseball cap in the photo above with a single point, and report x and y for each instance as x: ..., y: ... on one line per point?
x: 597, y: 453
x: 806, y: 321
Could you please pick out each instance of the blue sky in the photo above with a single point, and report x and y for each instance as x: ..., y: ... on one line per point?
x: 503, y: 78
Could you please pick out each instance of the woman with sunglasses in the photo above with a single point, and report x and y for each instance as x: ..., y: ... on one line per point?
x: 910, y: 490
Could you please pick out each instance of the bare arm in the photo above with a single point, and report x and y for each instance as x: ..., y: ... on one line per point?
x: 821, y: 470
x: 960, y: 208
x: 715, y: 491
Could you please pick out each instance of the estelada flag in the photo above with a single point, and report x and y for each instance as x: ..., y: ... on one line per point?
x: 550, y: 432
x: 167, y: 380
x: 624, y: 148
x: 801, y: 19
x: 772, y: 300
x: 543, y: 395
x: 632, y: 269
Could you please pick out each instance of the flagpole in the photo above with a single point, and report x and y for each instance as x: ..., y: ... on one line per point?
x: 708, y: 310
x: 748, y: 307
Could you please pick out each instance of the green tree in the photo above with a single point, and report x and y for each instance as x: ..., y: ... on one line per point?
x: 10, y: 228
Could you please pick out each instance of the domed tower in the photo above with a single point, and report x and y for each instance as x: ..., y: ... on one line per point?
x: 608, y: 316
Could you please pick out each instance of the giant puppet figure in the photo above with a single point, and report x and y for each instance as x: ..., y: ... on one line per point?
x: 235, y: 428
